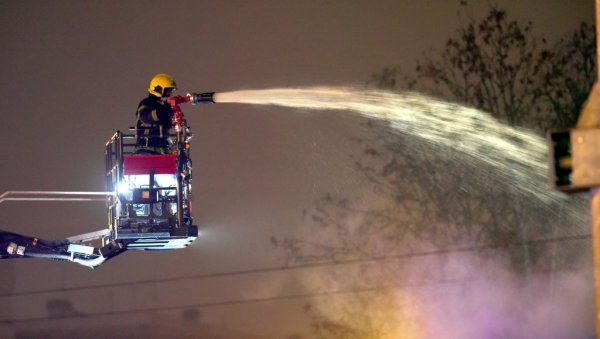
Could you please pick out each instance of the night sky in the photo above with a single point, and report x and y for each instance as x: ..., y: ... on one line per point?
x: 73, y: 72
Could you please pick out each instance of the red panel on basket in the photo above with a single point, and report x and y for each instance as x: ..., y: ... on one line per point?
x: 143, y: 164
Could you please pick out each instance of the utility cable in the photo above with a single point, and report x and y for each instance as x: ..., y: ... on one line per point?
x: 233, y: 302
x: 304, y: 266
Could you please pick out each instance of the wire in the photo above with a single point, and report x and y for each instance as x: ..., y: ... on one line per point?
x: 232, y: 302
x: 244, y: 301
x: 303, y: 266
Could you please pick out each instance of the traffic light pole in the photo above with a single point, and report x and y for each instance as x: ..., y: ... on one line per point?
x: 596, y: 243
x: 590, y: 118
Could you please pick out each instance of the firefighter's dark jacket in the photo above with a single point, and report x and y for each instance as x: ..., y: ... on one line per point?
x: 153, y: 122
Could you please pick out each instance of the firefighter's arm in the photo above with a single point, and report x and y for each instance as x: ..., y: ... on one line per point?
x: 149, y: 115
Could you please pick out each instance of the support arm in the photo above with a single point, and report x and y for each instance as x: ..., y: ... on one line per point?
x: 13, y: 246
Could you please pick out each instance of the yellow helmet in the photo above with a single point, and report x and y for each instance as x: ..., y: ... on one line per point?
x: 159, y: 83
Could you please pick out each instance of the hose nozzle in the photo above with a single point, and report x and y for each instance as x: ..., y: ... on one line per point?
x: 201, y: 98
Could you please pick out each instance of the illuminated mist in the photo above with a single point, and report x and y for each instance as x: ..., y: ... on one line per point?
x: 493, y: 303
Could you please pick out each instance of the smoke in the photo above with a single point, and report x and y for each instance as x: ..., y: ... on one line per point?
x: 490, y: 301
x: 456, y: 296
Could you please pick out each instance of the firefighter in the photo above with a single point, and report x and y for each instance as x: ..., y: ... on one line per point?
x: 154, y: 116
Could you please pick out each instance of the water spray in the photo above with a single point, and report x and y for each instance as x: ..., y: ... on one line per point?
x: 518, y: 155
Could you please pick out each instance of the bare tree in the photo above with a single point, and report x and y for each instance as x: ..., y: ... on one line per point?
x: 568, y: 72
x: 490, y: 65
x: 499, y: 66
x: 424, y: 197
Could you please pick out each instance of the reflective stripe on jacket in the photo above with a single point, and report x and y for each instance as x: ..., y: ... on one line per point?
x: 153, y: 122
